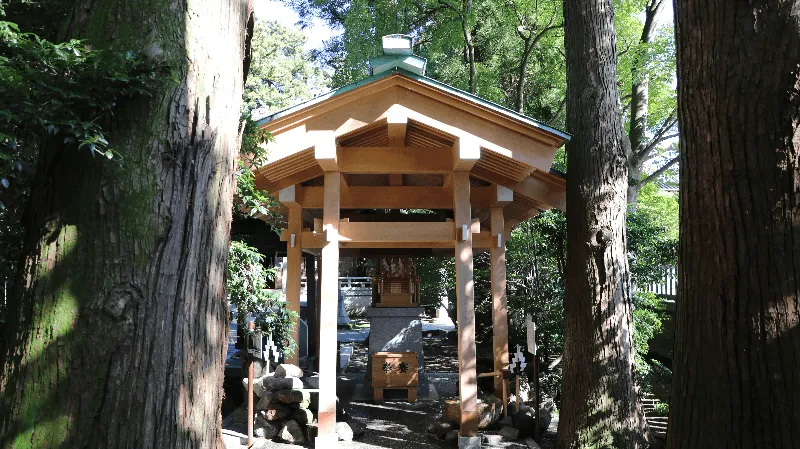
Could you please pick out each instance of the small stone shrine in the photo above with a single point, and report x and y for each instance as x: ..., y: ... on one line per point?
x: 396, y: 315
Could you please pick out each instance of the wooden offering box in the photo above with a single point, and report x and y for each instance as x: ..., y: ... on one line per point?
x: 395, y: 370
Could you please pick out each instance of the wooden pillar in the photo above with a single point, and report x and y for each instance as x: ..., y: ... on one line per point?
x: 294, y: 259
x: 497, y: 254
x: 467, y: 378
x: 311, y: 304
x: 329, y: 285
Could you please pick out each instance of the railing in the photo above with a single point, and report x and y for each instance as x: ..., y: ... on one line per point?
x: 348, y: 282
x: 667, y: 285
x: 357, y: 292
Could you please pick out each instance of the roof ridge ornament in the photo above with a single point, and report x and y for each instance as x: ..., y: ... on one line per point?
x: 398, y: 53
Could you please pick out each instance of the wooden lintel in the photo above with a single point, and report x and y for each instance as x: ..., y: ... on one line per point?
x: 395, y: 160
x: 315, y: 240
x: 396, y: 232
x: 395, y: 197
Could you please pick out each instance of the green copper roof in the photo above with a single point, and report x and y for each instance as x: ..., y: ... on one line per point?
x: 425, y: 80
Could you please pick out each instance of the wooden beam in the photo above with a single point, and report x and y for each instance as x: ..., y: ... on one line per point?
x: 329, y: 300
x: 274, y: 187
x: 466, y: 152
x: 395, y: 160
x: 316, y: 240
x: 294, y: 258
x: 550, y: 195
x: 396, y: 197
x: 325, y: 151
x: 397, y: 125
x: 377, y: 232
x: 291, y: 196
x: 497, y: 256
x: 467, y: 379
x: 500, y: 196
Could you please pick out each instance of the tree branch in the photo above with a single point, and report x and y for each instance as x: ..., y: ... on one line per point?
x: 660, y: 171
x: 561, y: 105
x: 666, y: 125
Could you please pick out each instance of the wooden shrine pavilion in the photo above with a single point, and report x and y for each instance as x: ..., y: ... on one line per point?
x: 346, y: 164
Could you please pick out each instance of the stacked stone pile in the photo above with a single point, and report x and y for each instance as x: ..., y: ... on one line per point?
x: 515, y: 425
x: 286, y: 407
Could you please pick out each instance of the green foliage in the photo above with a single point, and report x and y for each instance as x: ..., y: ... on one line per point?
x: 648, y: 314
x: 63, y: 90
x: 60, y: 94
x: 660, y: 409
x: 251, y: 200
x: 437, y: 280
x: 652, y: 235
x: 247, y: 284
x: 536, y: 257
x: 281, y: 73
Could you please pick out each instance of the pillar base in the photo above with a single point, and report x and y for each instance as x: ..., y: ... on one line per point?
x: 327, y: 442
x: 469, y: 442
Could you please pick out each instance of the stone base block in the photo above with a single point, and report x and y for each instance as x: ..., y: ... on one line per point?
x: 469, y: 442
x: 327, y: 442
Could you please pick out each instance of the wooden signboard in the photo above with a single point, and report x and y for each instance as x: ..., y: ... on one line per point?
x: 395, y: 370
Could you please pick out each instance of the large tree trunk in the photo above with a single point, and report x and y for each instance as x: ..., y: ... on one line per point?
x: 599, y: 403
x: 121, y: 316
x: 737, y: 341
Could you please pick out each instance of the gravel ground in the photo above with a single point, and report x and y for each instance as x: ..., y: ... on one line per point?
x: 440, y: 356
x: 393, y: 425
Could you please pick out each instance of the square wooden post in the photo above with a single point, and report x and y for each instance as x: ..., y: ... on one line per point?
x: 497, y: 254
x: 467, y: 378
x: 294, y: 259
x: 329, y: 300
x: 311, y: 303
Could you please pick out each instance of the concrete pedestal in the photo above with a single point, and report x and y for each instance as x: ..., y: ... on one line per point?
x: 395, y: 329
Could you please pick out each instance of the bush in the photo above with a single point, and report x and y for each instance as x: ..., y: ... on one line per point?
x: 248, y: 291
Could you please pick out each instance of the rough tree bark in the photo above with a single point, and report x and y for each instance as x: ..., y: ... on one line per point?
x: 736, y: 379
x: 599, y: 403
x: 120, y: 335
